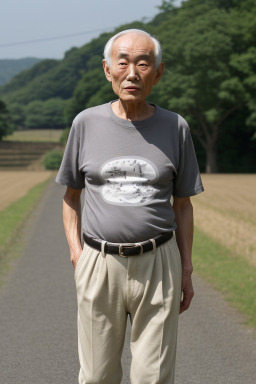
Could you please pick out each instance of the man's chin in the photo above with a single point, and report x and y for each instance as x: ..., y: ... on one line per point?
x: 132, y: 98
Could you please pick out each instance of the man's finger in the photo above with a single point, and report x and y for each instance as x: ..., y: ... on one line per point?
x: 186, y: 301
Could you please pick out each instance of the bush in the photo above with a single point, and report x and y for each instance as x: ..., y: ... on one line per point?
x: 52, y: 159
x: 6, y: 126
x: 64, y: 136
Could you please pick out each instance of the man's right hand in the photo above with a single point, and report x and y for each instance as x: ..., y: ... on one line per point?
x: 75, y: 257
x: 72, y: 223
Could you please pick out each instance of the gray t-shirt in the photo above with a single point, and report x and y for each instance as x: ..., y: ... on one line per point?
x: 129, y: 171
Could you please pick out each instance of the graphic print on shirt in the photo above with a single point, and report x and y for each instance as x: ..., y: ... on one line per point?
x: 128, y: 181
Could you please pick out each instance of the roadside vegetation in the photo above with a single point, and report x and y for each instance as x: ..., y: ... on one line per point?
x: 226, y: 212
x: 16, y: 184
x: 224, y: 251
x: 11, y: 226
x: 52, y: 159
x: 231, y: 274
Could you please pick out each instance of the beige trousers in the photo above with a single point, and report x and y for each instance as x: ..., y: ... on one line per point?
x: 148, y: 288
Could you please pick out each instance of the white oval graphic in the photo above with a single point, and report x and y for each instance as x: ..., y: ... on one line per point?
x: 128, y: 181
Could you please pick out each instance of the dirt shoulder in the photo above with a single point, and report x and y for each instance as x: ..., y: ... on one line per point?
x: 16, y: 184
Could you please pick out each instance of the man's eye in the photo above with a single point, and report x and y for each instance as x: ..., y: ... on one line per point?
x: 143, y: 65
x: 122, y: 63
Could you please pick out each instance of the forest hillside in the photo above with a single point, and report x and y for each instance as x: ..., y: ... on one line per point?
x: 11, y: 67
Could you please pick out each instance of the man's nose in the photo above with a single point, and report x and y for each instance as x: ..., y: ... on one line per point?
x: 132, y: 73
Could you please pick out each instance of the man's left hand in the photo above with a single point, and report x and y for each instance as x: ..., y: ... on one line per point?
x: 187, y: 291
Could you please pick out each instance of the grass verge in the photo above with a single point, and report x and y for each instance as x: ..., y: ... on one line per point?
x: 231, y: 275
x: 11, y: 221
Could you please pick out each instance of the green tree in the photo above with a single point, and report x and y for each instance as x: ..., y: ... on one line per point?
x: 33, y: 112
x: 53, y: 113
x: 167, y: 6
x: 45, y: 114
x: 203, y: 78
x: 93, y: 89
x: 88, y: 85
x: 6, y: 127
x: 52, y: 78
x: 26, y: 76
x: 104, y: 95
x: 17, y: 114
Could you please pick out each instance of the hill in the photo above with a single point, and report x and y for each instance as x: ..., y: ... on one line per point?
x: 56, y: 78
x: 11, y: 67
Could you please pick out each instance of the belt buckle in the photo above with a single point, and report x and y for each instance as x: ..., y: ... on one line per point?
x: 130, y: 246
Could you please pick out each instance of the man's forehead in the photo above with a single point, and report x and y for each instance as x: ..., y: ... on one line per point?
x: 133, y: 44
x: 123, y: 52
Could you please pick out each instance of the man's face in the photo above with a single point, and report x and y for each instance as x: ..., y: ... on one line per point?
x: 132, y: 71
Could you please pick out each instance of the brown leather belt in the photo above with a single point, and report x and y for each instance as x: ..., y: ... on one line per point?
x: 128, y: 249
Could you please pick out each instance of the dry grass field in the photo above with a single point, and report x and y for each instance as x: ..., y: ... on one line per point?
x: 16, y: 184
x: 226, y: 211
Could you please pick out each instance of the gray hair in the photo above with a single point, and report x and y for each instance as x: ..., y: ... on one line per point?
x: 157, y: 46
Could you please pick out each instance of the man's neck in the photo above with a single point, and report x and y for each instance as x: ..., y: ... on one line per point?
x: 132, y: 111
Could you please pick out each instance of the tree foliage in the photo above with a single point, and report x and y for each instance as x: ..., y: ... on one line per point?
x: 45, y: 114
x: 167, y: 6
x: 24, y: 78
x: 11, y: 67
x: 210, y: 66
x: 91, y: 90
x: 6, y: 126
x: 17, y: 115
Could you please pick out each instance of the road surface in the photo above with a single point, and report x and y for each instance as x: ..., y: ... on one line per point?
x: 38, y: 342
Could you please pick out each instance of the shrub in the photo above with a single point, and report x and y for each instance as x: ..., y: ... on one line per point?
x: 6, y: 127
x: 64, y: 136
x: 52, y: 159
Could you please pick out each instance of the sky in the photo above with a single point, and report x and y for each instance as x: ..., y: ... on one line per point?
x: 75, y: 21
x: 22, y: 21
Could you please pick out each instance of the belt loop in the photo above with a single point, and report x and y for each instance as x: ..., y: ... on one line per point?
x: 154, y: 244
x: 103, y: 243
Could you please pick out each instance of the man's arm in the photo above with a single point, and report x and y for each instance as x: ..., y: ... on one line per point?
x: 184, y: 234
x: 72, y: 222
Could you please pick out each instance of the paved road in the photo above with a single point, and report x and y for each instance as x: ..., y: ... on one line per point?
x: 38, y: 318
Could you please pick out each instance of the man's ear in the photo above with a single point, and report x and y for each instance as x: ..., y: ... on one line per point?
x: 159, y: 73
x: 106, y: 68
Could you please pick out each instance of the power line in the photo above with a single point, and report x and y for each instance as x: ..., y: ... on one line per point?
x: 54, y: 37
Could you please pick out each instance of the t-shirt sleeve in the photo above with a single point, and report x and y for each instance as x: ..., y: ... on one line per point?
x: 69, y: 173
x: 187, y: 181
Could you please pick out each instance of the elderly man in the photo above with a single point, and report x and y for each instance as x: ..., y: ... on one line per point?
x: 131, y: 157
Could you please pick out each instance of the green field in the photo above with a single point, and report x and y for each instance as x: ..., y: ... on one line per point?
x: 36, y: 135
x: 26, y: 149
x: 232, y: 276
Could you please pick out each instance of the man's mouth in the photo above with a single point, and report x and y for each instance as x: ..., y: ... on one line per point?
x: 132, y: 88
